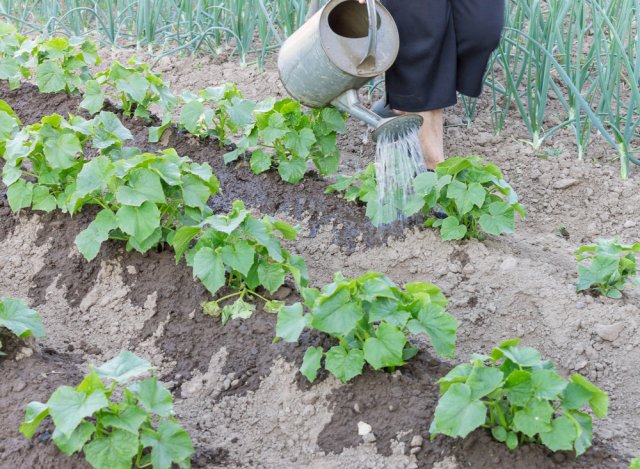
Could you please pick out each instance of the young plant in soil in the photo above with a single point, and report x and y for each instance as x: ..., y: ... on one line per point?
x: 136, y: 430
x: 15, y: 55
x: 43, y: 161
x: 473, y: 195
x: 242, y: 252
x: 285, y: 137
x: 219, y: 112
x: 371, y: 318
x: 607, y: 267
x: 134, y: 87
x: 520, y: 398
x: 19, y: 319
x: 58, y: 64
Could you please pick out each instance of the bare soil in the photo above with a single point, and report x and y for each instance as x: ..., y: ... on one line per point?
x: 241, y: 397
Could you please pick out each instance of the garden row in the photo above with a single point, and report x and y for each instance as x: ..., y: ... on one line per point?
x: 149, y: 199
x: 581, y: 53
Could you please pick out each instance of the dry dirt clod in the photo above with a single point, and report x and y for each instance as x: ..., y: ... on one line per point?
x: 609, y: 332
x: 565, y: 183
x: 369, y: 438
x: 417, y: 441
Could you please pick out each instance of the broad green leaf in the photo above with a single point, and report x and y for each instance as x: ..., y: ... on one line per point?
x: 109, y: 131
x: 260, y: 161
x: 271, y: 276
x: 385, y: 349
x: 60, y: 151
x: 512, y: 440
x: 333, y: 119
x: 292, y: 170
x: 94, y: 176
x: 129, y: 418
x: 89, y: 241
x: 90, y: 383
x: 34, y: 415
x: 73, y: 443
x: 451, y: 229
x: 20, y: 195
x: 153, y: 396
x: 20, y: 319
x: 336, y: 314
x: 533, y: 419
x: 143, y: 185
x: 311, y: 363
x: 123, y: 367
x: 500, y: 219
x: 191, y: 116
x: 344, y: 364
x: 562, y: 436
x: 484, y: 380
x: 300, y: 142
x: 239, y: 309
x: 440, y: 326
x: 523, y: 356
x: 169, y: 444
x: 182, y: 239
x: 68, y: 407
x: 135, y: 86
x: 547, y: 384
x: 601, y: 269
x: 115, y: 451
x: 196, y: 193
x: 424, y: 183
x: 287, y: 231
x: 580, y: 392
x: 241, y: 111
x: 50, y: 77
x: 466, y: 196
x: 457, y: 414
x: 209, y: 268
x: 139, y: 222
x: 291, y: 322
x: 239, y: 256
x: 43, y: 199
x: 518, y: 387
x: 93, y: 97
x: 585, y: 435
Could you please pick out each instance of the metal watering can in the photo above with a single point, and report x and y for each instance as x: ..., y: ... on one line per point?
x: 337, y: 51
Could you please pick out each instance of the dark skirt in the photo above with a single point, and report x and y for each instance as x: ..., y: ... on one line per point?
x: 444, y: 48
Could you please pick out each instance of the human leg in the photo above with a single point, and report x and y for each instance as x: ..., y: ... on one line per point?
x: 478, y: 27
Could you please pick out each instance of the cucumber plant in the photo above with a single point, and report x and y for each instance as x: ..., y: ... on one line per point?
x: 475, y: 199
x: 58, y: 64
x: 520, y: 398
x: 19, y: 319
x: 43, y: 160
x: 15, y: 55
x: 242, y: 252
x: 371, y: 318
x: 133, y: 427
x: 219, y: 112
x: 134, y: 87
x: 62, y: 64
x: 607, y: 267
x: 363, y: 188
x: 285, y: 137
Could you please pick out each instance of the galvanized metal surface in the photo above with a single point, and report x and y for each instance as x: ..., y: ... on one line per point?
x: 336, y: 52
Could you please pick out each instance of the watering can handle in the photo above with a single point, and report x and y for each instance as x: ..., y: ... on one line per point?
x: 370, y: 59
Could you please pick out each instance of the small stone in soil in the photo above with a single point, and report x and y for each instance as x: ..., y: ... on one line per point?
x: 369, y: 438
x: 363, y: 428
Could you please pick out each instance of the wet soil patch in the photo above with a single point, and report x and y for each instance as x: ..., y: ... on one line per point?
x: 406, y: 400
x: 32, y: 378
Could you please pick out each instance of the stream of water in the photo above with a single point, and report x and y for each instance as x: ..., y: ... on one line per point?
x: 398, y: 161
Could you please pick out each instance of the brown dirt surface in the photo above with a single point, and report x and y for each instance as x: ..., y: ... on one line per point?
x: 242, y: 398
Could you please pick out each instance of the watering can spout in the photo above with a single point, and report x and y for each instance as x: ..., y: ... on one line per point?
x: 391, y: 128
